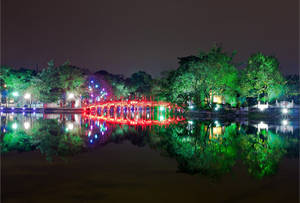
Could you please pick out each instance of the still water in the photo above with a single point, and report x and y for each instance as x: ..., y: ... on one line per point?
x: 72, y: 158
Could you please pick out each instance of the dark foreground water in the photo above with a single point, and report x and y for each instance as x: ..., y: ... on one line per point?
x: 68, y: 158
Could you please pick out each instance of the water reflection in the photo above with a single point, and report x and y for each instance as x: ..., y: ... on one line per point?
x: 210, y: 148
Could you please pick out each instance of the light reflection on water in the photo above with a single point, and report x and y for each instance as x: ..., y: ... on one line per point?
x: 209, y: 147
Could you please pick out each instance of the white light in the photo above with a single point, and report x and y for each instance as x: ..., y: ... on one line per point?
x: 26, y: 125
x: 161, y: 108
x: 285, y: 111
x: 262, y: 125
x: 70, y: 126
x: 161, y: 118
x: 262, y: 107
x: 217, y: 123
x: 14, y: 125
x: 15, y: 94
x: 284, y: 122
x: 71, y: 95
x: 27, y: 96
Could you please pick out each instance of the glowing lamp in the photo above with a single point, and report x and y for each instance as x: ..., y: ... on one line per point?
x: 27, y: 96
x: 15, y: 94
x: 71, y: 95
x: 26, y: 125
x: 161, y: 108
x: 70, y: 126
x: 14, y: 125
x: 284, y: 122
x: 284, y: 111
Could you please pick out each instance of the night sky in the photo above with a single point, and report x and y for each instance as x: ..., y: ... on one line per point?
x: 125, y: 36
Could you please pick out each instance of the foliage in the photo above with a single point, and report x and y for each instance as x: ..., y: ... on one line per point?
x: 261, y: 78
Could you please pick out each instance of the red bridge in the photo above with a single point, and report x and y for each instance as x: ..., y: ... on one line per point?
x: 135, y: 112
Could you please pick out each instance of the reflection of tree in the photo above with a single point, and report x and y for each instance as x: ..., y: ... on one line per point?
x: 52, y: 140
x: 198, y: 147
x: 47, y: 136
x: 196, y: 151
x: 16, y: 140
x: 262, y: 153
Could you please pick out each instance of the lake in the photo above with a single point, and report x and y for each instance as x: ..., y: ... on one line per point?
x: 76, y: 158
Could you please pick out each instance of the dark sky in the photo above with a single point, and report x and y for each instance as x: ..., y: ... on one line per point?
x: 125, y: 36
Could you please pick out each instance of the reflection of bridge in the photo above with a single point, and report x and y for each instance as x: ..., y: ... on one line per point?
x: 135, y: 112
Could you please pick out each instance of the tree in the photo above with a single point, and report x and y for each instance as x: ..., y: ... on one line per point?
x: 140, y: 83
x: 262, y: 79
x: 52, y: 83
x: 199, y: 78
x: 16, y: 80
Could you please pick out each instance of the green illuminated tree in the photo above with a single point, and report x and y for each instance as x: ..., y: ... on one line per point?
x: 200, y: 77
x: 262, y: 79
x: 262, y: 153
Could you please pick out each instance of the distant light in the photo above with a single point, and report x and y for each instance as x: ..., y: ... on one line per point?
x: 96, y: 136
x: 71, y: 95
x: 190, y: 122
x: 91, y: 141
x: 284, y: 110
x: 34, y: 108
x: 284, y: 122
x: 161, y: 108
x: 161, y: 118
x: 15, y: 94
x: 217, y: 123
x: 70, y: 126
x: 26, y: 125
x: 27, y: 96
x: 262, y: 107
x: 14, y: 125
x: 263, y: 125
x: 92, y: 81
x: 12, y: 108
x: 23, y: 108
x: 96, y: 86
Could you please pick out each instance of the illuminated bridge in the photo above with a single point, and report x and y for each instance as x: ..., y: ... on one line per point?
x: 135, y: 112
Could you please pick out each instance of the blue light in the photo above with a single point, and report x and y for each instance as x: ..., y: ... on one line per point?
x: 96, y: 136
x: 96, y: 86
x: 92, y: 81
x: 91, y: 141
